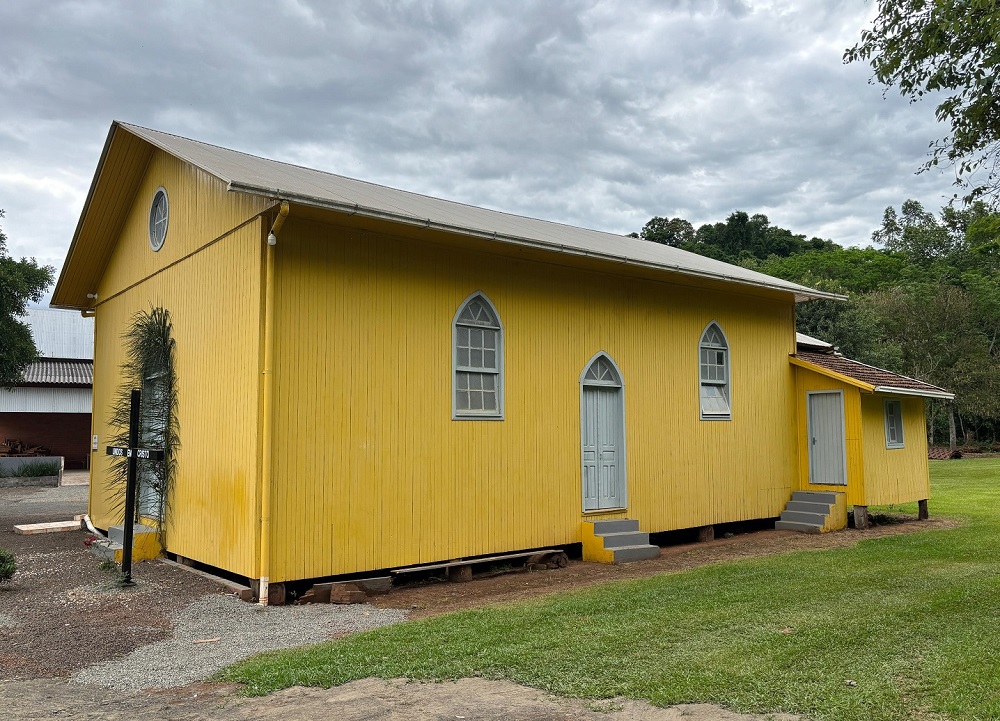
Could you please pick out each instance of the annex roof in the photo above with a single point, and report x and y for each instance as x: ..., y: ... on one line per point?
x: 60, y: 373
x: 867, y: 378
x: 61, y: 333
x: 281, y: 181
x: 807, y: 342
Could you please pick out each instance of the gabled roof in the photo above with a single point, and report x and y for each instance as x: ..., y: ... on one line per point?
x: 59, y: 373
x: 281, y: 181
x: 867, y: 378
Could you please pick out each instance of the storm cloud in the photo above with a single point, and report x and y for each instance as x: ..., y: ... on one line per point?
x: 598, y: 114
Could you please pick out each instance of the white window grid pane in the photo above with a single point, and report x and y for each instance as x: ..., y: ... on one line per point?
x: 713, y: 366
x: 476, y: 349
x: 894, y: 424
x: 476, y: 392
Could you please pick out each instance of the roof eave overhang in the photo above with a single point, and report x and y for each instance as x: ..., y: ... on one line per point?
x: 57, y: 292
x: 861, y: 385
x: 892, y: 390
x: 801, y: 295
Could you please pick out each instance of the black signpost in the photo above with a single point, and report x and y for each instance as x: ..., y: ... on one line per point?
x: 133, y: 453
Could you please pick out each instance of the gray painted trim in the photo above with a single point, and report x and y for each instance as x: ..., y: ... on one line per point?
x: 729, y: 374
x: 621, y: 399
x: 901, y: 443
x: 501, y: 413
x: 166, y: 201
x: 943, y: 395
x: 843, y: 435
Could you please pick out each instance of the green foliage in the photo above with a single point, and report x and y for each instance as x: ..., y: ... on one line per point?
x: 675, y: 231
x: 149, y: 367
x: 948, y: 49
x: 21, y: 281
x: 8, y: 566
x: 32, y: 469
x: 909, y: 618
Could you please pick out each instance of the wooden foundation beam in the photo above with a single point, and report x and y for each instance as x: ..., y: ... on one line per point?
x: 922, y: 513
x: 861, y: 520
x: 706, y: 533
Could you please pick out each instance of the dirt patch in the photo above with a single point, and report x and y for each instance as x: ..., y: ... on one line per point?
x: 431, y: 599
x: 62, y: 612
x: 366, y: 699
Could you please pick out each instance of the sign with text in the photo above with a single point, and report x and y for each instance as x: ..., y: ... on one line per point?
x: 143, y: 454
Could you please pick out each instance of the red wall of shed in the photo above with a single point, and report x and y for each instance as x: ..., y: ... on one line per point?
x: 65, y: 434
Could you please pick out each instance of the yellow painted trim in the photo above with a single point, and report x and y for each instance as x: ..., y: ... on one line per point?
x: 836, y: 519
x: 266, y: 410
x: 867, y: 387
x: 593, y: 546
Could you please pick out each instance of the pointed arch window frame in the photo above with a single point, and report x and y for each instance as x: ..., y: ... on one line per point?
x: 458, y: 414
x: 709, y: 381
x: 619, y: 384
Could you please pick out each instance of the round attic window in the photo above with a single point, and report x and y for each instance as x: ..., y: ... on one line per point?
x: 159, y: 213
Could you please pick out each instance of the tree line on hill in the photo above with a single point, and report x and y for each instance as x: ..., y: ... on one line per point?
x: 923, y: 299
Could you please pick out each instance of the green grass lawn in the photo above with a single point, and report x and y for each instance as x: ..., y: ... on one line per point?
x: 913, y: 619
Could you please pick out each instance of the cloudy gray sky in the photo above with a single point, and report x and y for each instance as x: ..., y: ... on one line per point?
x: 599, y: 114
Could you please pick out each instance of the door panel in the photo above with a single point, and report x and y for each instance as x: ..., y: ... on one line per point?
x: 827, y: 445
x: 591, y: 476
x: 602, y: 434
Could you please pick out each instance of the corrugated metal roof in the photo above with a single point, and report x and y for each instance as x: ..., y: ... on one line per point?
x: 60, y: 372
x: 61, y: 333
x: 883, y: 381
x: 260, y: 176
x: 808, y: 342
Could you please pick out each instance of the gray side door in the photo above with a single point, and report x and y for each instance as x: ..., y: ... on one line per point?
x: 602, y: 437
x: 827, y: 442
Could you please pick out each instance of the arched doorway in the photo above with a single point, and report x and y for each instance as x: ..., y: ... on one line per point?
x: 602, y: 434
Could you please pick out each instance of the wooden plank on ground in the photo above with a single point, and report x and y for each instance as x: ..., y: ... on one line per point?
x: 28, y: 529
x: 470, y: 561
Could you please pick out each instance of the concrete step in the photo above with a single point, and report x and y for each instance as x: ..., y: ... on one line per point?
x: 816, y: 519
x: 823, y: 508
x: 627, y: 538
x: 796, y: 526
x: 116, y: 534
x: 618, y: 525
x: 641, y: 552
x: 107, y: 550
x: 827, y: 497
x: 145, y: 541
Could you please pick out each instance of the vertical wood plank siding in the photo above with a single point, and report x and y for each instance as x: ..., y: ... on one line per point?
x: 370, y: 471
x: 214, y: 301
x: 896, y: 475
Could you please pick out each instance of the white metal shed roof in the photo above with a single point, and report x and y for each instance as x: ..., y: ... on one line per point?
x: 269, y: 178
x: 61, y: 333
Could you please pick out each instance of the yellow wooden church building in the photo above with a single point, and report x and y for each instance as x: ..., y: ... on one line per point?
x: 368, y: 378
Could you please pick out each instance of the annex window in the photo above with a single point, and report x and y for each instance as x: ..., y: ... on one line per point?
x: 893, y: 424
x: 477, y: 341
x: 713, y: 362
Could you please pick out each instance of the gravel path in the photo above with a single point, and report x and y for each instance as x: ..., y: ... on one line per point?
x: 242, y: 630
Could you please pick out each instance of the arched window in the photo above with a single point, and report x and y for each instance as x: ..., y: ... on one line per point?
x: 477, y: 341
x: 713, y: 352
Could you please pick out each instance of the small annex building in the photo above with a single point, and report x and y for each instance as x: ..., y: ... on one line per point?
x: 51, y: 405
x: 865, y: 429
x: 365, y: 378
